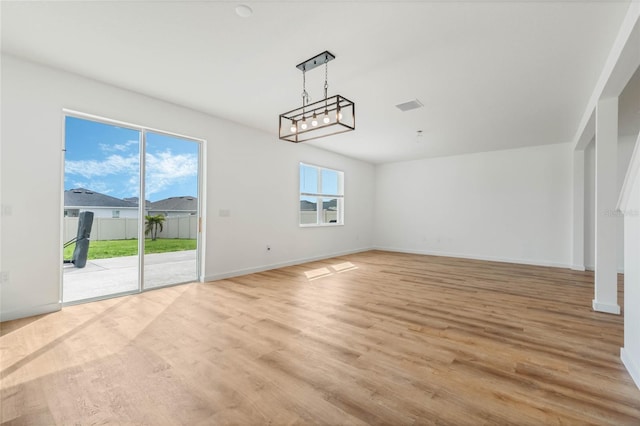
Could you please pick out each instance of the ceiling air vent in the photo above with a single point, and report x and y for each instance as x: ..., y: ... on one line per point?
x: 408, y: 106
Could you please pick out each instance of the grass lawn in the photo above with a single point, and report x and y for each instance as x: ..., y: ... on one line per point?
x: 119, y: 248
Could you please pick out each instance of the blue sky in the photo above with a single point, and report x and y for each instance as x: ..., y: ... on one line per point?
x: 105, y: 158
x: 309, y: 180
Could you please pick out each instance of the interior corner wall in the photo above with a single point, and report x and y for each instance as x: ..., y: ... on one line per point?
x: 512, y: 205
x: 625, y: 149
x: 630, y: 353
x: 249, y: 173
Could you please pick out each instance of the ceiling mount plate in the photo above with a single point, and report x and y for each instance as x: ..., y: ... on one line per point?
x: 316, y: 61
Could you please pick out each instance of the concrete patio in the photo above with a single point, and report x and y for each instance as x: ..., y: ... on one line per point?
x: 103, y: 277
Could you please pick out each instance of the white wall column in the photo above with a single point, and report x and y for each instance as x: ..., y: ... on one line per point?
x: 606, y: 277
x: 577, y: 256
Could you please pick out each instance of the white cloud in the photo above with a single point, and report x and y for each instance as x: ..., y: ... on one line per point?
x: 164, y: 168
x: 120, y: 173
x: 112, y: 165
x: 110, y: 147
x: 116, y: 174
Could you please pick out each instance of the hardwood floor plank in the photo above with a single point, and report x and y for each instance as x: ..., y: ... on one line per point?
x: 377, y: 338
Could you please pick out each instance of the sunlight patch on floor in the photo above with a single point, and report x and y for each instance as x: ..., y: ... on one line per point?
x: 339, y: 268
x: 314, y: 274
x: 344, y: 267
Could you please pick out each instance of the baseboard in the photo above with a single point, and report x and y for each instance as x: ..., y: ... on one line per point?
x: 474, y: 257
x: 579, y: 268
x: 632, y: 367
x: 245, y: 271
x: 29, y: 312
x: 606, y: 308
x: 262, y: 268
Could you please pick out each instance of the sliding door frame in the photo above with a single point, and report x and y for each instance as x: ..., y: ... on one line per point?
x: 143, y: 130
x: 199, y: 205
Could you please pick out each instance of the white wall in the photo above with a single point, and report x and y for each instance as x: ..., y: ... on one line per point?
x: 625, y: 149
x: 512, y: 205
x: 245, y: 169
x: 630, y: 205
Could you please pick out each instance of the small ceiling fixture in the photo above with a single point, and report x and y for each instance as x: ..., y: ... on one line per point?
x: 244, y: 11
x: 408, y: 106
x: 330, y: 116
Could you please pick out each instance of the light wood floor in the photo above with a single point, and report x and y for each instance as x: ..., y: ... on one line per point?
x: 371, y: 338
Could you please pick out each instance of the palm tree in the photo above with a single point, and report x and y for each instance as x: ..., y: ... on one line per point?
x: 153, y: 223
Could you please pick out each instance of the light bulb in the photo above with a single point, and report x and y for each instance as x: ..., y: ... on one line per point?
x: 339, y: 115
x: 326, y: 118
x: 314, y: 120
x: 293, y: 127
x: 304, y: 126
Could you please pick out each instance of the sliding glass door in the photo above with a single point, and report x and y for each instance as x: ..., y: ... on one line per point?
x: 131, y: 209
x: 171, y: 221
x: 101, y: 190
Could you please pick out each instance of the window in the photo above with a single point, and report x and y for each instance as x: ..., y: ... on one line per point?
x: 321, y: 196
x: 115, y: 214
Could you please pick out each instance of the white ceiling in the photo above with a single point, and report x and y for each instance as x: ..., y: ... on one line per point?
x: 491, y: 75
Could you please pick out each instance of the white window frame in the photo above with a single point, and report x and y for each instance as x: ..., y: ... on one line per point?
x: 319, y: 196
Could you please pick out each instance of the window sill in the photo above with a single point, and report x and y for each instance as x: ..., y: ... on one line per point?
x: 321, y: 225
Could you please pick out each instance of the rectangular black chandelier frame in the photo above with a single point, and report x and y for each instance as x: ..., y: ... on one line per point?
x: 329, y: 116
x: 340, y: 111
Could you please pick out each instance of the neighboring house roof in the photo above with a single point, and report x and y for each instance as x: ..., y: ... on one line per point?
x: 307, y: 206
x: 172, y: 204
x: 326, y: 205
x: 135, y: 201
x: 81, y: 197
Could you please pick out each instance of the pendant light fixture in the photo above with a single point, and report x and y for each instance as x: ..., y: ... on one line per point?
x: 330, y: 116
